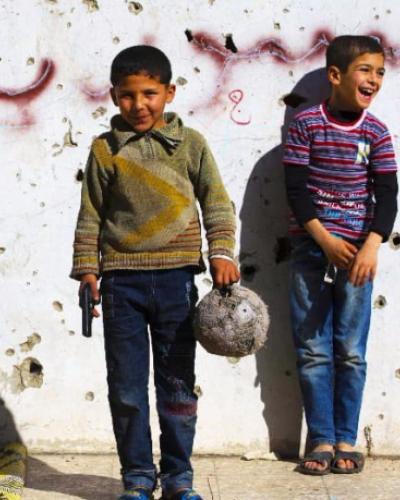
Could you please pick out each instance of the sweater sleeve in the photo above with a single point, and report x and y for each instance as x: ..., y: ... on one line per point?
x: 216, y: 207
x: 86, y: 243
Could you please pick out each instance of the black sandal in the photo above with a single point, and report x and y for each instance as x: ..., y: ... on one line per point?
x: 356, y: 457
x: 322, y: 457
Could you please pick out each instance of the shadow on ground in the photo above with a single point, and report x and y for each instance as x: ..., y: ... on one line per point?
x: 264, y: 256
x: 85, y: 486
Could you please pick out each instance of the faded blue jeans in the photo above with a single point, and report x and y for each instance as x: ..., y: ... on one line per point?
x: 134, y: 304
x: 330, y: 323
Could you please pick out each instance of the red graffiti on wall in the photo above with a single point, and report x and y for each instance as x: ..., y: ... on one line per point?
x: 226, y: 58
x: 97, y: 95
x: 29, y: 92
x: 23, y: 96
x: 236, y: 96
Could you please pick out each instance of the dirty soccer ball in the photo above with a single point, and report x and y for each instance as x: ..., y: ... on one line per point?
x: 232, y: 323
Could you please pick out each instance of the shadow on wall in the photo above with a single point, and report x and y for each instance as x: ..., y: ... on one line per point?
x: 8, y: 429
x: 264, y: 255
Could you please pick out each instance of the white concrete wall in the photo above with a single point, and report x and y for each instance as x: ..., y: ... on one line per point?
x: 55, y: 57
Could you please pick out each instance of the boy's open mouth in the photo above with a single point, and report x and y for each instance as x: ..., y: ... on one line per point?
x: 366, y: 92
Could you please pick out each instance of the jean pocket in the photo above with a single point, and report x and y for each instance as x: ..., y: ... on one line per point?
x: 108, y: 305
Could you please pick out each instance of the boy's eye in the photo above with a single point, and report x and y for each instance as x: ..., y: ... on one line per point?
x: 381, y: 72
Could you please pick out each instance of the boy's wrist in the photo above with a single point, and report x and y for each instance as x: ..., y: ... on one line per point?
x: 373, y: 240
x: 221, y: 256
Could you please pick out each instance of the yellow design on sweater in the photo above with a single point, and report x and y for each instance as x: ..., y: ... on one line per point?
x: 139, y: 201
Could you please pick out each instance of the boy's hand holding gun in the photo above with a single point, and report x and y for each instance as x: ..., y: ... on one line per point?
x: 88, y: 297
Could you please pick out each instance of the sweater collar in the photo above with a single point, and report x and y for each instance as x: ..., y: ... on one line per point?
x: 170, y: 135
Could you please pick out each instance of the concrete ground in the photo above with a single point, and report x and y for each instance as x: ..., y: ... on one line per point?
x: 96, y: 477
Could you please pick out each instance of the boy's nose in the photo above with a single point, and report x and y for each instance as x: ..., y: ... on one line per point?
x: 374, y: 78
x: 138, y: 102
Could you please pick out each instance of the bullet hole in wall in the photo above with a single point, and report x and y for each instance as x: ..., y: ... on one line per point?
x: 248, y: 271
x: 92, y: 5
x: 100, y: 111
x: 2, y: 250
x: 181, y: 80
x: 197, y: 390
x: 207, y: 281
x: 89, y: 396
x: 282, y: 249
x: 380, y: 302
x: 57, y: 306
x: 394, y: 241
x: 135, y: 7
x: 397, y: 373
x: 10, y: 352
x: 230, y: 44
x: 294, y: 100
x: 28, y: 374
x: 79, y: 175
x: 189, y: 35
x: 30, y: 343
x: 368, y: 438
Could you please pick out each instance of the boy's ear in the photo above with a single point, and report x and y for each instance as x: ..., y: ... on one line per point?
x: 334, y: 75
x: 113, y: 97
x: 171, y: 92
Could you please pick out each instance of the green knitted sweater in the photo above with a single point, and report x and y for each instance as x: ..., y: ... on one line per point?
x: 138, y: 206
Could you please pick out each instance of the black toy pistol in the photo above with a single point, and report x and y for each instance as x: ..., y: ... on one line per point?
x: 87, y: 303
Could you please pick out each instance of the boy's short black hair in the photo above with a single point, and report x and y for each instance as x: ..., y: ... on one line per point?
x: 141, y: 59
x: 342, y: 50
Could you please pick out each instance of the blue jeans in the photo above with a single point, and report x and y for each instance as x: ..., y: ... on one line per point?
x: 164, y: 302
x: 330, y: 323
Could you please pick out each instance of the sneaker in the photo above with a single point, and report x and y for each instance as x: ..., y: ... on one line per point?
x: 187, y: 494
x: 137, y: 494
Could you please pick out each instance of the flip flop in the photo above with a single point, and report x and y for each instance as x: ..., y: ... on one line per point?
x: 356, y: 457
x: 322, y: 457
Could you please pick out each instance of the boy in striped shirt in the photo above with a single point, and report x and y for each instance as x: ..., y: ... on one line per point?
x: 341, y: 184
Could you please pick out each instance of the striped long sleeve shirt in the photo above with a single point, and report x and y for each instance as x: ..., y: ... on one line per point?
x: 347, y: 166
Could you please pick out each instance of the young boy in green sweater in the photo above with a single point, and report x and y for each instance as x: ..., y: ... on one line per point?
x: 138, y: 228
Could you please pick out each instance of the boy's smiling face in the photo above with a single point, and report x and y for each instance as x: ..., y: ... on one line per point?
x: 355, y: 89
x: 141, y: 100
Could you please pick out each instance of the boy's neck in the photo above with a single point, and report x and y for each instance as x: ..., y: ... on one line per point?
x: 342, y: 115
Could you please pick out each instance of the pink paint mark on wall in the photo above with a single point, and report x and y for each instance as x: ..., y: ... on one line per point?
x: 392, y: 53
x: 236, y: 96
x: 149, y: 40
x: 29, y: 92
x: 226, y: 59
x: 24, y: 120
x: 96, y: 94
